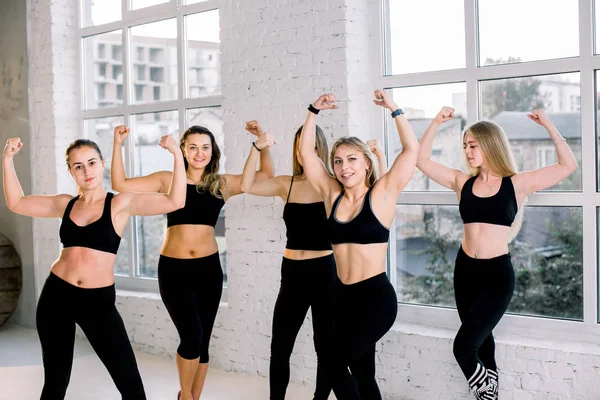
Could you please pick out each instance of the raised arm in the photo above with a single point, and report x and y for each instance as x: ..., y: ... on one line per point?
x: 266, y: 186
x: 445, y: 176
x: 378, y: 152
x: 174, y: 199
x: 265, y: 169
x: 404, y: 165
x: 532, y: 181
x: 156, y: 182
x: 233, y: 183
x: 16, y: 201
x: 315, y: 171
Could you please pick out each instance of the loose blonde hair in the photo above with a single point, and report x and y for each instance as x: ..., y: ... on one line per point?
x: 322, y: 151
x: 361, y: 147
x: 211, y: 180
x: 496, y: 152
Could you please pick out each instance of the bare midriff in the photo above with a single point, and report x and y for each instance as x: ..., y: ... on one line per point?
x: 84, y: 267
x: 189, y: 241
x: 358, y: 262
x: 305, y: 254
x: 485, y: 240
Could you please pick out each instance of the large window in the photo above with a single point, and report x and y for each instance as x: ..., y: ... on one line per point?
x: 155, y: 67
x: 486, y: 69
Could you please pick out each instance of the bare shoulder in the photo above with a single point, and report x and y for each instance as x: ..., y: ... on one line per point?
x: 461, y: 179
x: 61, y: 201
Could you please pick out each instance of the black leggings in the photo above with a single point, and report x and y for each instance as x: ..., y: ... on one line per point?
x: 63, y: 305
x: 191, y: 290
x: 364, y: 312
x: 483, y: 289
x: 306, y: 283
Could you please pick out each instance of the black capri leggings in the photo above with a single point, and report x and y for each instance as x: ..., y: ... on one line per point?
x: 364, y: 312
x: 191, y: 290
x: 483, y: 289
x: 63, y: 305
x: 304, y: 283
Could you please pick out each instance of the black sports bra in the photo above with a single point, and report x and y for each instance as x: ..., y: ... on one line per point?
x: 499, y: 209
x: 364, y: 228
x: 306, y: 225
x: 98, y: 235
x: 201, y: 208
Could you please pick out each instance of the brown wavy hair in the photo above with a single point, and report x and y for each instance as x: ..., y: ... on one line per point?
x: 211, y: 179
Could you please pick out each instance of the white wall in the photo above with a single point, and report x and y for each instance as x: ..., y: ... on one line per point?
x: 277, y: 56
x: 14, y: 123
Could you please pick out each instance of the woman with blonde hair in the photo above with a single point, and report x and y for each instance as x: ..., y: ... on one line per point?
x: 308, y: 275
x: 190, y: 277
x: 80, y: 289
x: 490, y: 194
x: 360, y: 210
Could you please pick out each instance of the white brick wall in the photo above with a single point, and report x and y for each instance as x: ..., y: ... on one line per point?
x: 277, y: 56
x: 53, y: 111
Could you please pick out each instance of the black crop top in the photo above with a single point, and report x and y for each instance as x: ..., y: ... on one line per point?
x: 499, y: 209
x: 201, y: 208
x: 98, y: 235
x: 306, y: 225
x: 364, y: 228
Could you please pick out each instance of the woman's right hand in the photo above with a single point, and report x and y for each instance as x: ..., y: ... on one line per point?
x: 445, y: 115
x: 13, y: 145
x: 325, y: 102
x: 254, y: 128
x: 121, y: 133
x: 264, y: 141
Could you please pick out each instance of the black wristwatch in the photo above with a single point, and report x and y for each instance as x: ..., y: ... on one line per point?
x: 397, y: 112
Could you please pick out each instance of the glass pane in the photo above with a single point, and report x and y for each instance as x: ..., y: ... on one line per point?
x: 406, y: 50
x: 103, y: 70
x: 212, y: 119
x: 137, y: 4
x: 547, y: 257
x: 507, y: 102
x: 92, y: 14
x: 154, y: 61
x: 557, y: 22
x: 147, y: 129
x: 100, y: 130
x: 421, y: 104
x: 203, y: 54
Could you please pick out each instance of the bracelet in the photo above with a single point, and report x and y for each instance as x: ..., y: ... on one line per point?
x: 313, y: 109
x: 559, y: 139
x: 255, y: 146
x: 397, y: 112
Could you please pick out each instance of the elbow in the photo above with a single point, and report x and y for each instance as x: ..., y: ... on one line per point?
x: 117, y: 186
x: 179, y: 203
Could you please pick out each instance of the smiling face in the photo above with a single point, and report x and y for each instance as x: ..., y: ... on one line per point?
x: 472, y: 151
x: 86, y: 167
x: 350, y: 166
x: 198, y: 150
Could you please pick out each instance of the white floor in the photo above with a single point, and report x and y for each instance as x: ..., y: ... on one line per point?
x: 21, y: 375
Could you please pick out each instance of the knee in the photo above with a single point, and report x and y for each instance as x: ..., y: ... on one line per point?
x: 460, y: 348
x: 189, y: 349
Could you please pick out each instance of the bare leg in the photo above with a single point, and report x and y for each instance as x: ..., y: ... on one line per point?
x: 187, y: 371
x: 199, y: 380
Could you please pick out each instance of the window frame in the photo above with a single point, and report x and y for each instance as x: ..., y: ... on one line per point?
x: 587, y: 63
x: 131, y: 18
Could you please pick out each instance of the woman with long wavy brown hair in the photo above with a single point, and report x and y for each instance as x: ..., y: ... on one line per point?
x: 190, y: 277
